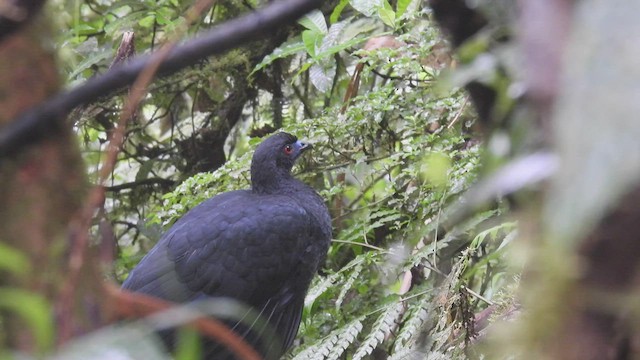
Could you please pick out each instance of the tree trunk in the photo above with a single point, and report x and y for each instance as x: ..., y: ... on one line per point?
x: 42, y: 190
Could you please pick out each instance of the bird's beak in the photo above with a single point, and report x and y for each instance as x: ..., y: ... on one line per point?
x: 304, y: 146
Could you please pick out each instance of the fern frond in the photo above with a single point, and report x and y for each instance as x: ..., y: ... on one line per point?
x: 344, y: 340
x: 414, y: 324
x: 441, y: 340
x: 383, y: 326
x: 320, y: 287
x: 334, y: 344
x: 323, y: 285
x: 349, y: 283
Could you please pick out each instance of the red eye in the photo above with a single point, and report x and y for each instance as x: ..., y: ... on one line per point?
x: 288, y: 149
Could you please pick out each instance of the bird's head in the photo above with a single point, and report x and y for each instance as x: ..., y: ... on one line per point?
x: 274, y: 158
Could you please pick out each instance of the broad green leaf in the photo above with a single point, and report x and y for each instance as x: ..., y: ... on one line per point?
x: 329, y: 53
x: 333, y: 35
x: 332, y: 50
x: 367, y: 7
x: 147, y: 21
x: 401, y: 7
x: 314, y: 21
x: 312, y: 41
x: 87, y: 28
x: 165, y: 16
x: 322, y: 76
x: 387, y: 15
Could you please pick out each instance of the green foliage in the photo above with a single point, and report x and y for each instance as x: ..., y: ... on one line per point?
x: 398, y: 179
x: 13, y: 261
x: 27, y: 306
x: 34, y: 310
x: 334, y: 344
x: 188, y: 345
x: 389, y: 162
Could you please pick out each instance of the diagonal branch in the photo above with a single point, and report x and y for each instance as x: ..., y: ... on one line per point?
x: 146, y: 182
x: 37, y: 123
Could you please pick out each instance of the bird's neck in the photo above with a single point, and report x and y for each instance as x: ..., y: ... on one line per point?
x: 276, y: 181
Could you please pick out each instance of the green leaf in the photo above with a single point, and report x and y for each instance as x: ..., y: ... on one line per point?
x: 95, y: 57
x: 302, y: 69
x: 13, y: 260
x: 335, y: 15
x: 312, y: 41
x: 166, y: 16
x: 315, y: 22
x: 387, y: 15
x: 189, y: 345
x: 89, y: 27
x: 366, y: 7
x: 35, y: 310
x: 147, y: 21
x: 329, y: 52
x: 321, y: 76
x: 435, y: 169
x: 401, y: 7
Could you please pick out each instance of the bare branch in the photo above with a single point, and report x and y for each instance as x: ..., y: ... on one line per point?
x: 145, y: 182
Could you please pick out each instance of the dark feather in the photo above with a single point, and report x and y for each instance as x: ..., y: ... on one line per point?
x: 260, y: 247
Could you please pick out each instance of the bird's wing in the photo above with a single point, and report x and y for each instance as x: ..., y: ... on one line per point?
x: 260, y: 250
x: 155, y: 275
x: 236, y: 245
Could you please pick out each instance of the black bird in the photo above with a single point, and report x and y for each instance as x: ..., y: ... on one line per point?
x: 260, y: 246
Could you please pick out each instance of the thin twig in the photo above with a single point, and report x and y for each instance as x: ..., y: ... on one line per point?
x: 423, y: 292
x: 360, y: 244
x: 400, y: 78
x: 459, y: 113
x: 402, y: 299
x: 345, y: 164
x: 471, y: 292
